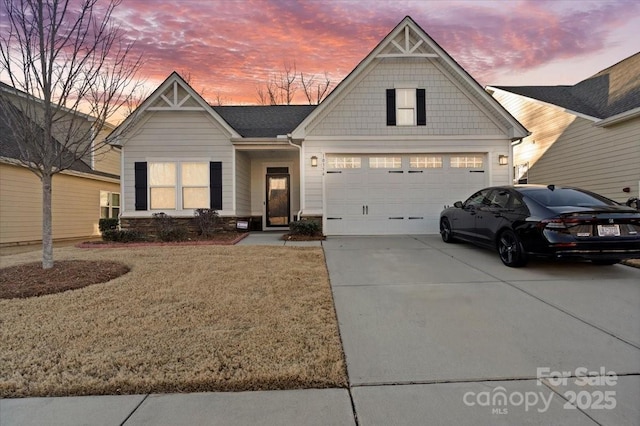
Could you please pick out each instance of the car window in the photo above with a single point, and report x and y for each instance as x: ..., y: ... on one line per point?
x: 478, y: 199
x: 499, y: 198
x: 568, y: 197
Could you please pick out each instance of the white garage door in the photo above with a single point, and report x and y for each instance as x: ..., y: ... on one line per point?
x: 396, y: 194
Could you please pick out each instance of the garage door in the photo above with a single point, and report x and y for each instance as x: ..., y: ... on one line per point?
x: 396, y: 194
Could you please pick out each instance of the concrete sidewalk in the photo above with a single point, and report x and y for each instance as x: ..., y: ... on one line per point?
x: 434, y: 334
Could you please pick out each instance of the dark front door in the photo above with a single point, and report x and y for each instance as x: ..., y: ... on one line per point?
x: 277, y: 199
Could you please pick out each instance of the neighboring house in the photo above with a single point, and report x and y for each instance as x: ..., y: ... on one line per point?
x: 586, y: 135
x: 81, y: 195
x: 407, y: 132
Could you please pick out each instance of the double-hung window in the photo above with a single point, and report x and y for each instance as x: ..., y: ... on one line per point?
x: 178, y: 184
x: 162, y: 185
x: 406, y: 107
x: 109, y: 204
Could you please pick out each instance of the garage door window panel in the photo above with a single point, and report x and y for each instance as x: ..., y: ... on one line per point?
x: 425, y: 162
x: 344, y: 162
x: 385, y: 162
x: 466, y: 161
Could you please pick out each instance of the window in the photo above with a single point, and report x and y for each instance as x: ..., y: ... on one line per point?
x: 109, y: 204
x: 195, y: 185
x: 466, y: 161
x: 425, y: 162
x: 192, y: 187
x: 343, y: 162
x: 162, y: 185
x: 385, y: 162
x: 406, y: 107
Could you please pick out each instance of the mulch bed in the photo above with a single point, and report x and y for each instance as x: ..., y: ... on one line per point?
x: 31, y: 280
x: 225, y: 239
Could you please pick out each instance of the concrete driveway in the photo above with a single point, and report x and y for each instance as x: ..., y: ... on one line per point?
x: 436, y: 333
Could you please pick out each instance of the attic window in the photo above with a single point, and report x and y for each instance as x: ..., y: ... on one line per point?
x: 406, y: 107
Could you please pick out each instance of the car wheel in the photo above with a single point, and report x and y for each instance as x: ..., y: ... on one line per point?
x: 445, y: 231
x: 510, y: 250
x: 604, y: 262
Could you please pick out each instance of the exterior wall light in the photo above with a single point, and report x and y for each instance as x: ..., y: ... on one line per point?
x: 314, y: 161
x: 503, y: 160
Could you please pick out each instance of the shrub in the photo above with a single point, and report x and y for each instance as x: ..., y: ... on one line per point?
x: 304, y: 227
x: 206, y: 221
x: 108, y: 224
x: 123, y: 235
x: 166, y: 228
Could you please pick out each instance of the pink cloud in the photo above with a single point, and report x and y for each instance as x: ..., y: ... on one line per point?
x: 232, y: 47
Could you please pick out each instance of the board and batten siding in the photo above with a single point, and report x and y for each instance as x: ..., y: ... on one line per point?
x: 566, y: 149
x: 362, y: 111
x: 75, y: 205
x: 177, y: 136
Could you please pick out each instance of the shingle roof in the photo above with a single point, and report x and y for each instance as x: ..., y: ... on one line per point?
x: 264, y: 121
x: 9, y: 146
x: 610, y: 92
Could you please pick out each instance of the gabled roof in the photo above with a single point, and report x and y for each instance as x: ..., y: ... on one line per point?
x: 157, y: 101
x: 10, y: 148
x: 418, y: 44
x: 264, y: 121
x: 608, y: 93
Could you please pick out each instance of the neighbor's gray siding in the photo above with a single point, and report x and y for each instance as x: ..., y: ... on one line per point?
x: 177, y: 136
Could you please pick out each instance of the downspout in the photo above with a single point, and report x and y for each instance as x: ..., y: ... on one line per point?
x: 301, y: 171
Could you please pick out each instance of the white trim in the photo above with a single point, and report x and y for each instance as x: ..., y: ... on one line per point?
x: 619, y: 118
x: 233, y: 181
x: 408, y: 138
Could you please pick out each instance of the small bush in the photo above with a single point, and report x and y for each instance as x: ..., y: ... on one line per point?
x: 167, y: 230
x: 206, y: 221
x: 123, y: 235
x: 304, y: 227
x: 108, y: 224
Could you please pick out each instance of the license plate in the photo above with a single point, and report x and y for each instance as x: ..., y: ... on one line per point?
x: 609, y: 230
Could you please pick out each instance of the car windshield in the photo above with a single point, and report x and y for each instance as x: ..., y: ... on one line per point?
x: 567, y: 197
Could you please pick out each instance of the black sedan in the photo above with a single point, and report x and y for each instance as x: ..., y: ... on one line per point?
x: 549, y: 221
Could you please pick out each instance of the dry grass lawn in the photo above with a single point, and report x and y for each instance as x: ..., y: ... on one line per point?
x: 184, y: 319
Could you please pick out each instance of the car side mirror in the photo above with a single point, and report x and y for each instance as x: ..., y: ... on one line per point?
x: 457, y: 204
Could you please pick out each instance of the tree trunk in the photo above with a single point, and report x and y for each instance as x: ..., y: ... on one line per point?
x: 47, y: 225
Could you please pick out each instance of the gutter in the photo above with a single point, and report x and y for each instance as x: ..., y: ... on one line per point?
x: 302, y: 172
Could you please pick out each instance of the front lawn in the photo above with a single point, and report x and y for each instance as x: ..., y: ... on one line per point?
x: 184, y: 319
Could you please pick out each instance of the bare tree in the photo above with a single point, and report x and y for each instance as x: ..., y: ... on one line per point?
x: 71, y: 68
x: 315, y: 93
x: 280, y: 89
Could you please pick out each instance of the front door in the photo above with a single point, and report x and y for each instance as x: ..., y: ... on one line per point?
x: 278, y: 196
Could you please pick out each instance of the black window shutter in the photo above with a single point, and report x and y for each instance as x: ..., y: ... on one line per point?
x: 421, y: 107
x: 215, y: 184
x: 140, y: 173
x: 391, y: 107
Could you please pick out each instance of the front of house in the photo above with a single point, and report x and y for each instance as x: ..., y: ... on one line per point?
x: 407, y: 132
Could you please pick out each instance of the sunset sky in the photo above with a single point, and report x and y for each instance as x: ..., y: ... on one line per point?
x: 230, y: 47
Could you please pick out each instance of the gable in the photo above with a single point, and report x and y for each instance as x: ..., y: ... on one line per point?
x: 362, y: 111
x: 409, y: 57
x: 174, y: 95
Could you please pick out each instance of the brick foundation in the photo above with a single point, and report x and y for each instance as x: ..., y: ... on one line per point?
x: 147, y: 226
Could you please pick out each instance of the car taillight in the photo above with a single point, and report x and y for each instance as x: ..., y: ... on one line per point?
x: 558, y: 224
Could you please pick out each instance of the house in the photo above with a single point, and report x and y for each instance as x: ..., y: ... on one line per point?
x: 405, y: 133
x: 81, y: 195
x: 586, y: 135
